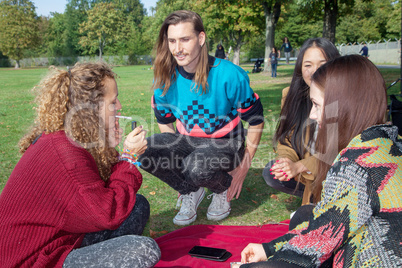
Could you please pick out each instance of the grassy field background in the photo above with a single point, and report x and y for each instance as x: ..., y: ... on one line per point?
x: 258, y: 204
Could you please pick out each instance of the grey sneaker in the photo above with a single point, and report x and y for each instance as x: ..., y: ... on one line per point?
x: 189, y: 205
x: 219, y: 207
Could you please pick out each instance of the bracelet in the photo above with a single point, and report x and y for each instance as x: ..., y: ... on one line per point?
x: 130, y: 161
x: 130, y: 157
x: 127, y: 152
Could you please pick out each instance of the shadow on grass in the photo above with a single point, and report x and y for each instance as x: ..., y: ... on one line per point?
x: 258, y: 204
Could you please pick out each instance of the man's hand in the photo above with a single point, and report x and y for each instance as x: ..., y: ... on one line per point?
x: 239, y: 174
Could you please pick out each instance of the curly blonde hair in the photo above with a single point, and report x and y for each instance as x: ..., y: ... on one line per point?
x: 70, y: 101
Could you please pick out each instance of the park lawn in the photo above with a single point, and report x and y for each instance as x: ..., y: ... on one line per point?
x: 258, y: 204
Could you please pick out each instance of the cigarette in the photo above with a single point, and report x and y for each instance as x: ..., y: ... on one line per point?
x: 124, y: 117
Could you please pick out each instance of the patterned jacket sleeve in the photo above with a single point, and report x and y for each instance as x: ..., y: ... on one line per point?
x: 348, y: 201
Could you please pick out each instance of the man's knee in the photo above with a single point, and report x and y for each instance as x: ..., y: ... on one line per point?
x: 196, y: 169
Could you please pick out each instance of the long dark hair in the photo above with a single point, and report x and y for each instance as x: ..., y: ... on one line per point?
x: 295, y: 123
x: 355, y: 98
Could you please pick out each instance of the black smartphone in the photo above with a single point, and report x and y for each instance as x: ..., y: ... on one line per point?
x: 214, y: 254
x: 133, y: 125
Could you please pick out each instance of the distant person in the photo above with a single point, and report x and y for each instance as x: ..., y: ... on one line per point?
x: 207, y: 98
x: 273, y: 60
x: 220, y: 52
x: 358, y: 221
x: 364, y: 51
x: 71, y: 200
x: 295, y: 168
x: 287, y: 48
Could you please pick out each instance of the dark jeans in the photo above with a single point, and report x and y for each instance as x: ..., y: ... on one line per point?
x: 123, y: 247
x: 289, y: 187
x: 187, y: 163
x: 273, y: 69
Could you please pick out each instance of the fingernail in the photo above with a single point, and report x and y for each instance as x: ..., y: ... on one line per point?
x: 277, y: 160
x: 285, y: 174
x: 270, y: 169
x: 281, y: 170
x: 140, y: 126
x: 272, y: 173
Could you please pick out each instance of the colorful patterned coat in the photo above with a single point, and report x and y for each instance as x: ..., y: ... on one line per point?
x: 359, y: 220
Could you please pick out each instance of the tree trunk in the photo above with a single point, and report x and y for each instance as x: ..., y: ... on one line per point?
x: 17, y: 64
x: 236, y: 50
x: 236, y: 54
x: 271, y: 18
x: 330, y: 17
x: 100, y: 49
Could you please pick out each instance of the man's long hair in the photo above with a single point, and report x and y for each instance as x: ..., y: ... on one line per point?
x: 70, y: 101
x: 165, y: 64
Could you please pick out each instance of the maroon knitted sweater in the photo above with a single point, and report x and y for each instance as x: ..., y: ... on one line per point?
x: 54, y: 196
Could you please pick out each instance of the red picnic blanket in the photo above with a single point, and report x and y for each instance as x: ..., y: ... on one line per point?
x: 176, y: 245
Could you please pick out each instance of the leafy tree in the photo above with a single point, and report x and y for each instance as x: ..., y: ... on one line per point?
x: 272, y: 11
x: 105, y: 25
x: 56, y: 40
x: 393, y: 25
x: 75, y: 14
x: 370, y: 20
x: 330, y: 13
x: 298, y: 25
x: 233, y: 22
x: 132, y: 8
x: 19, y: 28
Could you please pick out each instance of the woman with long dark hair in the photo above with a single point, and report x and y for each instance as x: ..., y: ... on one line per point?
x: 295, y: 168
x: 358, y: 221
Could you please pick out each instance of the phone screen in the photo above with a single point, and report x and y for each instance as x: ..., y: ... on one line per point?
x: 215, y: 253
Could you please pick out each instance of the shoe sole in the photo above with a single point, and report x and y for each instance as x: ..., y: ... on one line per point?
x: 192, y: 219
x: 218, y: 217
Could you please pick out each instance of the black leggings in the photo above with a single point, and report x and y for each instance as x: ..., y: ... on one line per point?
x: 123, y: 247
x: 288, y: 187
x: 187, y: 163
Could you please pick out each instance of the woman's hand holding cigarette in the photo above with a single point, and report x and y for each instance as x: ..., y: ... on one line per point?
x: 136, y: 141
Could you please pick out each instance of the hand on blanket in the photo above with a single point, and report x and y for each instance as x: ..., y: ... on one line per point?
x: 253, y: 253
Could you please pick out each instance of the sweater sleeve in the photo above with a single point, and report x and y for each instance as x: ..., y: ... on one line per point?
x: 348, y: 201
x: 241, y: 95
x: 310, y: 162
x: 97, y: 205
x: 163, y: 111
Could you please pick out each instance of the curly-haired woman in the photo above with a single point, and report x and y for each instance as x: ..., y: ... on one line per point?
x: 71, y: 200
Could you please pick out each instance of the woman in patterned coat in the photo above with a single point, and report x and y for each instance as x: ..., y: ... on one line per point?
x: 357, y: 223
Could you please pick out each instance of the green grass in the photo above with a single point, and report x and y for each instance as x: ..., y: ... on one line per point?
x: 258, y: 204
